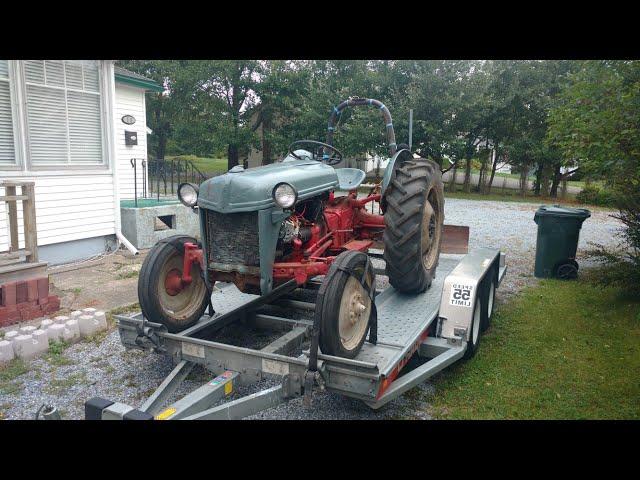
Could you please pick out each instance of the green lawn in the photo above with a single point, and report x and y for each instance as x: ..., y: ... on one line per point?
x: 205, y: 165
x: 511, y: 196
x: 561, y: 350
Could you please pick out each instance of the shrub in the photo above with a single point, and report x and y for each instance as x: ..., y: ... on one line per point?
x: 593, y: 195
x: 621, y: 266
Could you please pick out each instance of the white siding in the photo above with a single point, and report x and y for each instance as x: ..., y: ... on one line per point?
x: 130, y: 101
x: 71, y: 203
x: 67, y: 208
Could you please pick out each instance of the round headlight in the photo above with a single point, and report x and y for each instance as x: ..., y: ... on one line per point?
x: 285, y: 195
x: 188, y: 194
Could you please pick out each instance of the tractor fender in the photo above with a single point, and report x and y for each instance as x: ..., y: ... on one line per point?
x: 399, y: 157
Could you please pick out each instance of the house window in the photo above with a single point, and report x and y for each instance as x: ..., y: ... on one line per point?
x: 64, y: 112
x: 7, y: 147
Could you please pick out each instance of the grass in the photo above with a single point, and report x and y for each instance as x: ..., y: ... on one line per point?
x: 55, y: 354
x: 513, y: 196
x: 129, y: 274
x: 561, y: 350
x: 57, y: 385
x: 205, y: 165
x: 8, y: 375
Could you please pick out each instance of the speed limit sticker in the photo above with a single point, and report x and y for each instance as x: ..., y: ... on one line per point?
x: 460, y: 295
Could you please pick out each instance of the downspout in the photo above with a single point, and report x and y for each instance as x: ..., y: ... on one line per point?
x: 122, y: 240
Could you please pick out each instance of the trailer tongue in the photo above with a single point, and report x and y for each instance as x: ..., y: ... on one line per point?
x: 441, y: 325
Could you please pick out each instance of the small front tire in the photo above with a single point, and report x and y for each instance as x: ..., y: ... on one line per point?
x: 178, y: 308
x: 345, y: 306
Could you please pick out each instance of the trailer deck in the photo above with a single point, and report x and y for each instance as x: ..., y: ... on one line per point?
x: 407, y: 324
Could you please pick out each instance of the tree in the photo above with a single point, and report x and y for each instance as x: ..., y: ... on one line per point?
x: 161, y: 106
x: 597, y: 122
x: 217, y: 97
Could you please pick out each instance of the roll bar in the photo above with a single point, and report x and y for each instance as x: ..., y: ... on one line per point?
x: 356, y: 101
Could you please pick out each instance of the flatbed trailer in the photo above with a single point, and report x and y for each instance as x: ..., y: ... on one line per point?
x: 438, y: 325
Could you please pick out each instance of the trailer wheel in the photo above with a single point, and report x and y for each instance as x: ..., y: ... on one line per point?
x: 345, y: 306
x: 414, y: 215
x: 161, y: 301
x: 474, y: 338
x: 489, y: 287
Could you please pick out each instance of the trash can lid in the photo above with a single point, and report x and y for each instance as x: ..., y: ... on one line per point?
x: 558, y: 211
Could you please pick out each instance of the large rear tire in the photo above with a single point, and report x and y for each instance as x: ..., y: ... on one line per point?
x: 176, y: 308
x: 414, y: 215
x: 345, y: 307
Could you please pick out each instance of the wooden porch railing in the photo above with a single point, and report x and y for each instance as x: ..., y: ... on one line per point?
x: 11, y: 198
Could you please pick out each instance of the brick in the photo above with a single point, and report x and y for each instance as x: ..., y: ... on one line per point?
x: 32, y: 290
x: 43, y: 287
x: 29, y: 313
x: 25, y: 305
x: 9, y: 315
x: 22, y: 293
x: 9, y: 294
x: 52, y: 305
x: 43, y: 300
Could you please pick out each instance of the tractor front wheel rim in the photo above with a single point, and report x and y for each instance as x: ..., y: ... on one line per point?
x: 355, y: 309
x: 179, y: 302
x: 173, y: 282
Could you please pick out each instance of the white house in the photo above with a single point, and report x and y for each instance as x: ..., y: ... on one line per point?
x: 63, y: 125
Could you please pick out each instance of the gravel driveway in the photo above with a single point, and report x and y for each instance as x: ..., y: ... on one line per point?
x: 105, y: 369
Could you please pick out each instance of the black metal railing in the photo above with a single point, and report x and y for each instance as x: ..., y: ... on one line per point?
x: 165, y: 175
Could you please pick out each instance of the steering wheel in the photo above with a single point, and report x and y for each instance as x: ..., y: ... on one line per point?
x: 334, y: 159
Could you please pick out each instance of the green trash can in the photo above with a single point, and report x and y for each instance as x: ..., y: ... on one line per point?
x: 557, y: 242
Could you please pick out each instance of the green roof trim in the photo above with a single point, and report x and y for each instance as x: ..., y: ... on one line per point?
x: 138, y: 82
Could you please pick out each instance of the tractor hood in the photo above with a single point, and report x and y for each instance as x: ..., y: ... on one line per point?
x: 241, y: 190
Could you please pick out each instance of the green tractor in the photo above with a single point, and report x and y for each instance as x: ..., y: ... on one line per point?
x: 265, y: 226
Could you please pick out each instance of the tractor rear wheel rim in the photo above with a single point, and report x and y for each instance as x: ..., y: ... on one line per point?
x: 353, y: 317
x: 184, y: 303
x: 430, y: 231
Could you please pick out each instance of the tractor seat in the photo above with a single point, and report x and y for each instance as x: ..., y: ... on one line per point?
x: 349, y: 178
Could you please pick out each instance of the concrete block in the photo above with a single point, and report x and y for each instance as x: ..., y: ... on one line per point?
x: 89, y: 311
x: 27, y: 330
x: 138, y: 224
x: 11, y: 335
x: 61, y: 319
x: 71, y: 331
x: 22, y: 293
x: 76, y: 313
x: 42, y: 339
x: 101, y: 318
x: 6, y: 351
x: 89, y: 325
x: 26, y: 347
x: 32, y: 289
x: 9, y: 293
x: 43, y: 287
x: 46, y: 323
x: 56, y: 332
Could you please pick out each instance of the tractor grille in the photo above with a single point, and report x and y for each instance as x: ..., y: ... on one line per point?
x: 232, y: 238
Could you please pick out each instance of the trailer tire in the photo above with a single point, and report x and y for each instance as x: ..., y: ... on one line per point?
x: 474, y: 336
x: 178, y: 311
x: 414, y: 216
x: 340, y: 298
x: 488, y: 288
